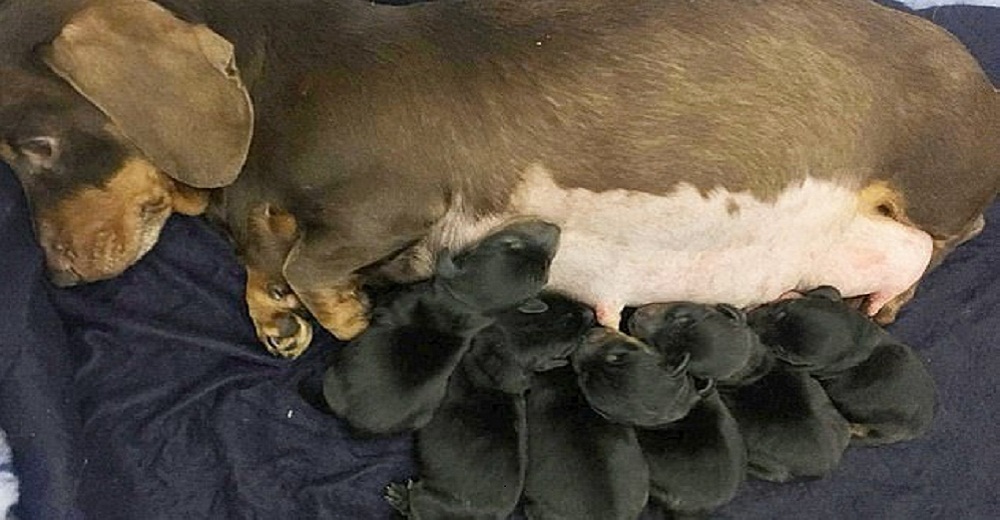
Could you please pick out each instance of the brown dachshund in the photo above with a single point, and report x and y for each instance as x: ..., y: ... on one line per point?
x: 710, y: 151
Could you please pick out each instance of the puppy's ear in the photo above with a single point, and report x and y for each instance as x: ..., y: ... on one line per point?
x: 826, y: 291
x: 171, y: 87
x: 732, y: 312
x: 708, y: 386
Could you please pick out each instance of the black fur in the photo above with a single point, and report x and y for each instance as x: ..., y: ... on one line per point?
x: 877, y: 383
x: 817, y: 333
x: 790, y: 427
x: 697, y: 463
x: 580, y: 465
x: 472, y: 454
x: 716, y: 337
x: 393, y: 376
x: 629, y: 382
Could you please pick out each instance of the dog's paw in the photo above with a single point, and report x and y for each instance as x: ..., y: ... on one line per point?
x: 287, y: 336
x: 343, y: 311
x: 275, y: 311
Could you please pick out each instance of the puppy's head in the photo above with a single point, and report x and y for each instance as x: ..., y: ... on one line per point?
x: 114, y: 121
x: 535, y: 336
x: 544, y: 331
x: 716, y: 337
x: 628, y: 382
x: 504, y: 269
x: 817, y: 332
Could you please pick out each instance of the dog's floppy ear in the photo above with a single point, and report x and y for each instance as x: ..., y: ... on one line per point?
x: 170, y: 86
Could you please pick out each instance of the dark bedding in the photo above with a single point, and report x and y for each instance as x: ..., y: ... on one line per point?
x: 148, y: 396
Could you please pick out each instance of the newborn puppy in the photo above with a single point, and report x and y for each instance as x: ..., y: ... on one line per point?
x: 715, y: 337
x: 877, y: 383
x: 697, y: 463
x: 472, y: 453
x: 628, y: 382
x: 816, y: 333
x: 580, y: 466
x: 790, y: 427
x: 393, y: 376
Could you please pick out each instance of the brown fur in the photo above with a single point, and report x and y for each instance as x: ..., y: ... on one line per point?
x: 371, y: 120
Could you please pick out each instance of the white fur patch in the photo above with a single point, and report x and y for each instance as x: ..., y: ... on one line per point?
x: 623, y: 247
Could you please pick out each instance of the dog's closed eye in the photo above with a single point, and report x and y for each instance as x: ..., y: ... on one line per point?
x: 41, y: 151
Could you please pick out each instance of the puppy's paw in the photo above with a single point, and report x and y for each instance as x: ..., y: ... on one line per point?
x: 859, y: 431
x: 398, y: 496
x: 344, y: 310
x: 275, y: 311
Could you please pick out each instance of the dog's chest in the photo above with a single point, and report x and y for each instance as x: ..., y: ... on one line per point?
x: 622, y: 247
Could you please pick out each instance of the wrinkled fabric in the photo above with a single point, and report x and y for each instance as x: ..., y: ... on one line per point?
x: 37, y: 406
x: 148, y: 396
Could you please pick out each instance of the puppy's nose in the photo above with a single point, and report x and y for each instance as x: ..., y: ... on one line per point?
x: 542, y: 234
x: 590, y: 344
x: 548, y: 235
x: 638, y: 322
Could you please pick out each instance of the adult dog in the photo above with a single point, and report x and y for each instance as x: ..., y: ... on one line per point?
x: 710, y: 151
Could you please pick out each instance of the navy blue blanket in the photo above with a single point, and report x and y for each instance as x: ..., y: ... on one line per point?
x: 149, y: 397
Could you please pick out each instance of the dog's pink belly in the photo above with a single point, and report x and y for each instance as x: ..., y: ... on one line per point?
x: 622, y: 248
x: 883, y: 263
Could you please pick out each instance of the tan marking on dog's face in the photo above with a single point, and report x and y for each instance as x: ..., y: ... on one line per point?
x: 98, y: 232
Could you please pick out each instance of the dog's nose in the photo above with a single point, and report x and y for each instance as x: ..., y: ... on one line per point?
x: 64, y: 277
x: 287, y: 325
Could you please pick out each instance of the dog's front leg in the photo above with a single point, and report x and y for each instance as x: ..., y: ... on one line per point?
x: 321, y: 270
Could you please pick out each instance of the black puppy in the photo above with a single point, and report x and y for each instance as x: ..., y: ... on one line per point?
x: 580, y: 465
x: 790, y: 427
x: 697, y: 463
x: 629, y: 382
x: 393, y: 376
x: 715, y: 337
x: 877, y: 383
x: 472, y: 454
x: 816, y: 332
x: 788, y: 424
